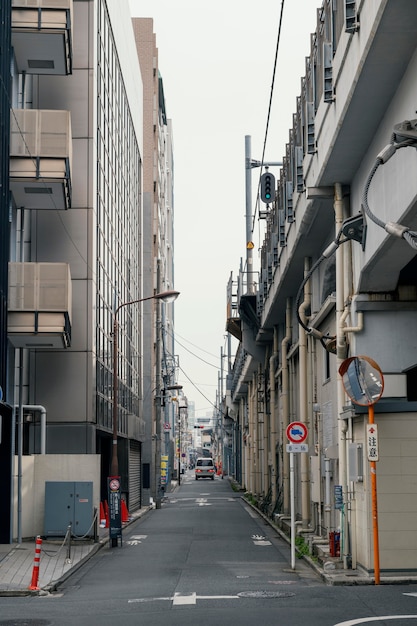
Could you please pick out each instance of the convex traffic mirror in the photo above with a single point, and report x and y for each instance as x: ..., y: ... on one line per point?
x: 362, y: 379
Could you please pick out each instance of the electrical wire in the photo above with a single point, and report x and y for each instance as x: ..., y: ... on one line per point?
x: 271, y: 93
x: 174, y: 336
x: 330, y: 250
x: 193, y: 344
x: 392, y: 228
x: 196, y: 388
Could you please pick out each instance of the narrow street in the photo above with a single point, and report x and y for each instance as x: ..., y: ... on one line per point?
x: 206, y: 558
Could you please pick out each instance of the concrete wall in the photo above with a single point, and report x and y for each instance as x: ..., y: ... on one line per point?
x: 396, y: 473
x: 39, y: 469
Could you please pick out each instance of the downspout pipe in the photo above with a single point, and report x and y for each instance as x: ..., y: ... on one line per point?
x: 340, y: 355
x: 273, y: 418
x: 30, y: 407
x: 304, y: 306
x: 39, y: 409
x: 351, y: 329
x: 285, y: 404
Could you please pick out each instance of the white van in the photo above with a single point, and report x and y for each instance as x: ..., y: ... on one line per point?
x: 204, y: 468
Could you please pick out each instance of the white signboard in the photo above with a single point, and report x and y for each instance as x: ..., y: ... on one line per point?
x: 297, y: 447
x: 372, y: 442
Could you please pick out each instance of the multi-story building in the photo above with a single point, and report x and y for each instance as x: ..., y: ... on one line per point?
x: 158, y: 242
x: 337, y: 279
x: 5, y: 409
x: 82, y: 241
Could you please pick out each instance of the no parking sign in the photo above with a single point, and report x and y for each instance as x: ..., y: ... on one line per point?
x: 297, y: 432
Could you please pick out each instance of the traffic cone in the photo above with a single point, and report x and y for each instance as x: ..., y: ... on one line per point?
x: 125, y: 512
x: 36, y: 561
x: 102, y: 516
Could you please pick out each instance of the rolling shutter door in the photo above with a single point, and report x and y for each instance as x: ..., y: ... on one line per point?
x: 134, y: 475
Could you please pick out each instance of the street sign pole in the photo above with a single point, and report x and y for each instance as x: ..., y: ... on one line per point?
x: 292, y: 499
x: 371, y: 420
x: 297, y: 433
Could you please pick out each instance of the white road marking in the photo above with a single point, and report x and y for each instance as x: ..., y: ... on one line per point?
x: 184, y: 598
x: 410, y: 594
x: 139, y: 537
x: 250, y: 512
x: 140, y: 600
x: 260, y: 540
x: 366, y: 620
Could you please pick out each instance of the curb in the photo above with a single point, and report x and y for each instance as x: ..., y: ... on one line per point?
x: 53, y: 585
x: 342, y: 579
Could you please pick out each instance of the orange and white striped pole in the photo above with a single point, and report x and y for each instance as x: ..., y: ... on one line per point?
x: 36, y: 561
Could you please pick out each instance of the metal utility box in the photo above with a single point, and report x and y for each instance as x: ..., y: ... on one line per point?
x: 68, y: 503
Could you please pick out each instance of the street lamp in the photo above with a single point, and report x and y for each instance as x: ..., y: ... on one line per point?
x: 165, y: 296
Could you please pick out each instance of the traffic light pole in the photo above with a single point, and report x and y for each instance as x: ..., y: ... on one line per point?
x: 249, y: 164
x: 250, y: 286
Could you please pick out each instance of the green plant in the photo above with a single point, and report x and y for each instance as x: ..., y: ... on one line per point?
x: 302, y: 547
x: 251, y: 498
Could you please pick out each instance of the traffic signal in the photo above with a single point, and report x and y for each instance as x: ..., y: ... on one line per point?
x: 198, y: 426
x: 267, y: 187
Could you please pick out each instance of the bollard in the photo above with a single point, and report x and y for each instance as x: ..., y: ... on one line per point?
x: 68, y: 559
x: 35, y: 571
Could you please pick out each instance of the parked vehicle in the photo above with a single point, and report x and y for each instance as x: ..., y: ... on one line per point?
x: 205, y: 468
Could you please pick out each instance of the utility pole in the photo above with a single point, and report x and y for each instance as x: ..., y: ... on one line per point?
x: 249, y: 165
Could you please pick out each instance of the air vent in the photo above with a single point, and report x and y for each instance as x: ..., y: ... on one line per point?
x: 311, y: 139
x: 40, y: 64
x: 351, y: 17
x: 47, y: 190
x: 328, y: 95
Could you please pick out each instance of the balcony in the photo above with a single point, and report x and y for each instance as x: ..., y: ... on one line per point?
x: 41, y: 36
x: 40, y: 158
x: 39, y: 308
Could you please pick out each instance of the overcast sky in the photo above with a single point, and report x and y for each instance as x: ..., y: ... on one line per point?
x: 216, y: 60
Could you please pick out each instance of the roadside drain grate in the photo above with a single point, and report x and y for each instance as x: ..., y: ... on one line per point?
x: 266, y: 594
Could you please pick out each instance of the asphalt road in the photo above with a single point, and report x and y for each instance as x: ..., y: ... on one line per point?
x: 206, y: 558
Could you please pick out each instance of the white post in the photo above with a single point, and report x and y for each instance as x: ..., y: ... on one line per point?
x: 292, y: 497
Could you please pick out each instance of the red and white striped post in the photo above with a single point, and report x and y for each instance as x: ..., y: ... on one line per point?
x: 35, y: 571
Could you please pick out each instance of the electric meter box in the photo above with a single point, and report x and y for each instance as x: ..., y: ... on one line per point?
x: 68, y: 503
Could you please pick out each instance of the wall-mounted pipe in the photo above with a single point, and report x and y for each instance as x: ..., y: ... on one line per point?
x: 40, y: 409
x: 340, y: 355
x: 327, y: 500
x: 273, y: 416
x: 302, y: 351
x: 351, y: 329
x: 285, y: 403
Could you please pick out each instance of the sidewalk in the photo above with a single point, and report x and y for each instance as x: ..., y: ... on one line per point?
x: 56, y: 564
x: 57, y: 561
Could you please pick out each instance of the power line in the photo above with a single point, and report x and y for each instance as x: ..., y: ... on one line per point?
x: 270, y: 104
x: 195, y: 355
x: 193, y: 344
x: 197, y: 389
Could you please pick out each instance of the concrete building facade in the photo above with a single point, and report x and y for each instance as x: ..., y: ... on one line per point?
x: 82, y: 240
x: 337, y: 280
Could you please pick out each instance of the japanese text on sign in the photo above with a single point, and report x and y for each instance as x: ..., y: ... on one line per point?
x: 372, y: 442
